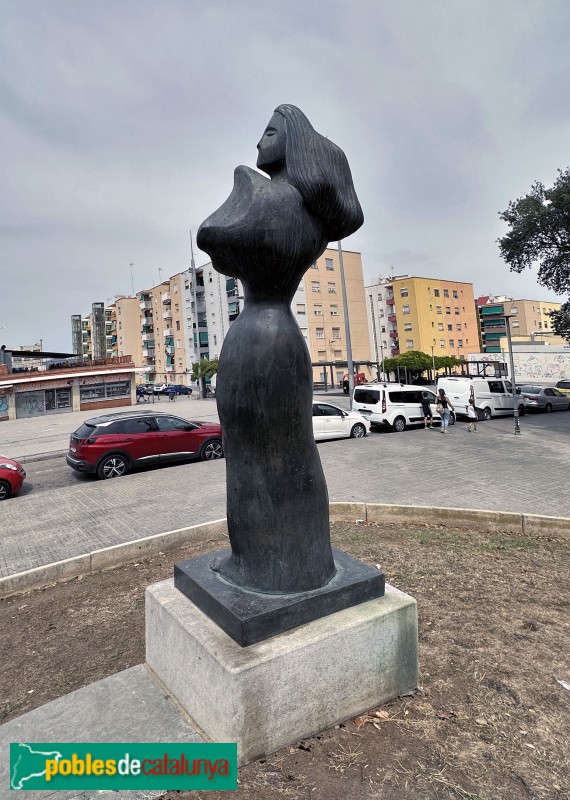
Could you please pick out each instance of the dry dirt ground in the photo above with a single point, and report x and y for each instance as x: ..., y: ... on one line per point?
x: 488, y: 721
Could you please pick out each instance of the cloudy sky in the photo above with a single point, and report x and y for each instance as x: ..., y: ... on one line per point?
x: 121, y: 122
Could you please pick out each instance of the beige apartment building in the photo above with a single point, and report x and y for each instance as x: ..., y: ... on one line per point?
x: 319, y: 310
x: 170, y: 326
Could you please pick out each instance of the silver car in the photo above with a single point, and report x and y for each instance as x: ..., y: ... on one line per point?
x: 544, y: 398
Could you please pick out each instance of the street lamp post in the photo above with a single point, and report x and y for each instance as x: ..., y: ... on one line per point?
x: 513, y: 381
x: 433, y: 366
x: 349, y: 361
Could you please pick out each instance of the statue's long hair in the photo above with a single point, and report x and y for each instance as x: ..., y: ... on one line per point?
x: 319, y: 170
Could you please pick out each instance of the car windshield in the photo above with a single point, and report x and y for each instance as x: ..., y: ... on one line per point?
x: 371, y: 396
x: 530, y: 389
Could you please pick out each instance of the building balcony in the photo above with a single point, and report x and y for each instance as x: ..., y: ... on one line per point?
x: 145, y: 304
x: 149, y: 353
x: 392, y: 318
x: 169, y: 348
x: 147, y: 337
x: 169, y: 368
x: 393, y: 334
x: 167, y: 332
x: 389, y: 301
x: 395, y: 351
x: 167, y: 315
x: 165, y: 297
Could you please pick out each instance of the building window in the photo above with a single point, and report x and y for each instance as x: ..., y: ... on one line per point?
x: 460, y: 342
x: 440, y: 326
x: 314, y: 265
x: 436, y: 292
x: 315, y: 286
x: 301, y: 308
x: 334, y: 311
x: 381, y: 312
x: 383, y: 329
x: 516, y: 324
x: 448, y: 310
x: 379, y: 297
x: 320, y: 333
x: 457, y: 312
x: 452, y: 342
x: 403, y: 292
x: 332, y: 288
x: 455, y: 294
x: 442, y: 342
x: 405, y: 309
x: 322, y: 355
x: 458, y: 326
x: 177, y: 324
x: 438, y: 309
x: 336, y: 333
x: 409, y: 344
x: 450, y: 327
x: 329, y: 263
x: 215, y: 338
x: 318, y: 311
x: 304, y: 332
x: 408, y: 326
x: 446, y: 292
x: 514, y: 311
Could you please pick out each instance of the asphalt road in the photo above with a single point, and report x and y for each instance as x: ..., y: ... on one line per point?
x: 60, y: 513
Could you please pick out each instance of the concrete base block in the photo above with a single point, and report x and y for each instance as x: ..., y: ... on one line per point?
x: 286, y: 688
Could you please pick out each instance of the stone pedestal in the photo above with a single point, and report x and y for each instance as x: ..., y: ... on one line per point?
x: 286, y: 688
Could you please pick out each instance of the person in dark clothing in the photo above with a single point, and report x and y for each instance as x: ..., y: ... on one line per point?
x: 426, y: 408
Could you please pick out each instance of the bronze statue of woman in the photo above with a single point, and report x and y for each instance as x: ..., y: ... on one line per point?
x: 267, y: 234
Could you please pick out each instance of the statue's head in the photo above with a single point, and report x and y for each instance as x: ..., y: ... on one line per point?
x: 316, y: 167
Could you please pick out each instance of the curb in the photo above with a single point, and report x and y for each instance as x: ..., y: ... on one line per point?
x: 527, y: 525
x: 40, y: 456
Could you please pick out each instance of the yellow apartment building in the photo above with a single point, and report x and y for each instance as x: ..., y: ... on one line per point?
x: 434, y: 313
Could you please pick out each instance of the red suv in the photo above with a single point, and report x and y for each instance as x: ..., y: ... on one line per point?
x: 12, y: 475
x: 112, y: 444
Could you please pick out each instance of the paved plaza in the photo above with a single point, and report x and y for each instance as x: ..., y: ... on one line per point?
x: 61, y: 514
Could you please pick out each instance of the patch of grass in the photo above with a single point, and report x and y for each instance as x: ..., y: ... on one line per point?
x: 507, y: 544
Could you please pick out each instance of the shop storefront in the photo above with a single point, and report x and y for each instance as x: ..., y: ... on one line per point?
x: 43, y: 401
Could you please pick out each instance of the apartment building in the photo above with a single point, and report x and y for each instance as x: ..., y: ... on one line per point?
x: 528, y: 320
x: 427, y: 314
x: 173, y: 325
x: 319, y: 310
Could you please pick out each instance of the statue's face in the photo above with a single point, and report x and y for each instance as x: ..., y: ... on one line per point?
x: 271, y: 146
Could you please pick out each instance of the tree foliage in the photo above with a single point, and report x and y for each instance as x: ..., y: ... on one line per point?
x: 417, y: 362
x: 540, y: 234
x: 205, y: 368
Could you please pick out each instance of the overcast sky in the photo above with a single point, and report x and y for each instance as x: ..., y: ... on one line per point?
x: 121, y: 122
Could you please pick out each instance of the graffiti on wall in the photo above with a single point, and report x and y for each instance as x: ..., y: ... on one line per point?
x: 534, y: 366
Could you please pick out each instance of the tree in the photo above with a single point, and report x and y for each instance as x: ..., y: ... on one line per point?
x: 540, y: 232
x: 205, y: 368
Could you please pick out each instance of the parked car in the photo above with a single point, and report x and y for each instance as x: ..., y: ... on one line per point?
x: 564, y: 387
x: 331, y: 422
x: 112, y: 444
x: 180, y: 389
x: 12, y: 476
x: 544, y: 398
x: 394, y: 405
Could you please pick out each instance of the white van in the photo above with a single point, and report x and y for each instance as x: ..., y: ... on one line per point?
x: 394, y: 405
x: 493, y: 396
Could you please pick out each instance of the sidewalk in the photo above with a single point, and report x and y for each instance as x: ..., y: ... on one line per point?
x: 44, y: 437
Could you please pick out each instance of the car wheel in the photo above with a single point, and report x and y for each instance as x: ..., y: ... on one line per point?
x: 358, y: 431
x: 399, y: 424
x: 522, y: 411
x: 212, y: 450
x: 5, y: 490
x: 486, y: 414
x: 113, y: 466
x: 548, y: 408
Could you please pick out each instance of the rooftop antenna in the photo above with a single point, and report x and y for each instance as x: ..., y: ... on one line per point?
x: 160, y: 274
x: 131, y: 265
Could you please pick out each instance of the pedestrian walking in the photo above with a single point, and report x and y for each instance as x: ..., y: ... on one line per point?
x: 444, y: 408
x: 171, y: 392
x: 471, y: 415
x: 426, y: 408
